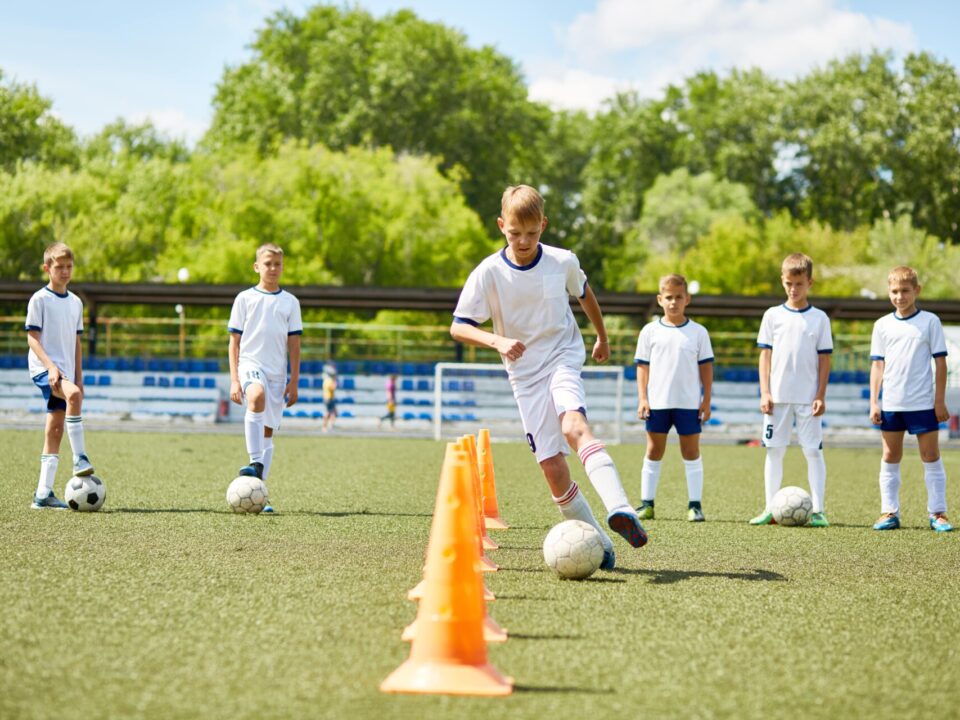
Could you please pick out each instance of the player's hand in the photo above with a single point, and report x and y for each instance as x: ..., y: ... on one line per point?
x: 236, y: 392
x: 875, y: 413
x: 601, y: 351
x: 704, y: 410
x: 819, y: 407
x: 643, y: 410
x: 942, y: 413
x: 54, y: 377
x: 510, y: 349
x: 766, y: 403
x: 291, y: 393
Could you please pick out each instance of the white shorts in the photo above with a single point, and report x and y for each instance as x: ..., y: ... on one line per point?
x: 273, y: 390
x: 541, y: 404
x: 777, y: 427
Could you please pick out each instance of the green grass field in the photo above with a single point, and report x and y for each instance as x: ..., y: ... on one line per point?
x: 167, y: 605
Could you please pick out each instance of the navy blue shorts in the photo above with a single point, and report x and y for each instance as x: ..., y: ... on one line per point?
x: 915, y: 422
x: 687, y: 422
x: 54, y: 403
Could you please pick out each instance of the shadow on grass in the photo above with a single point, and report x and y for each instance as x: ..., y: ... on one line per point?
x: 524, y: 597
x: 669, y: 577
x: 169, y: 510
x: 312, y: 513
x: 561, y: 689
x: 523, y: 636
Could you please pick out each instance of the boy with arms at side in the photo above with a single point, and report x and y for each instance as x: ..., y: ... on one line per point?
x: 54, y: 324
x: 674, y: 361
x: 795, y: 345
x: 524, y: 288
x: 903, y: 343
x: 265, y: 327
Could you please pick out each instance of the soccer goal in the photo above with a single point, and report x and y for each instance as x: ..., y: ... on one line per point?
x: 471, y: 395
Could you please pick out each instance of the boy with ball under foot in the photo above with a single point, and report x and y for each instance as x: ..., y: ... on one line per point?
x: 524, y: 289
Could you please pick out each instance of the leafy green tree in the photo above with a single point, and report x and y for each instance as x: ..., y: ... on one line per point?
x: 29, y: 131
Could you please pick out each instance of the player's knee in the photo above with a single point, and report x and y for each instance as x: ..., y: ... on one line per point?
x: 777, y: 453
x: 574, y: 427
x: 892, y: 456
x: 813, y: 453
x: 256, y: 398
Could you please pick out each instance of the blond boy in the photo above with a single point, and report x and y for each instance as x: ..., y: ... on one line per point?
x: 54, y: 324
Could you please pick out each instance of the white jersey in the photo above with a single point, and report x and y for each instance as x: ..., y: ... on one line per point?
x: 264, y: 320
x: 59, y: 318
x: 906, y: 346
x: 797, y: 338
x: 674, y: 354
x: 529, y: 303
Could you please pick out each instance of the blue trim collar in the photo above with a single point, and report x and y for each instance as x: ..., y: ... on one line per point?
x: 907, y: 317
x: 683, y: 324
x: 266, y: 292
x: 794, y: 310
x: 54, y: 292
x: 533, y: 264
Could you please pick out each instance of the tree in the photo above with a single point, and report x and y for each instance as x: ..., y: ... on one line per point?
x: 29, y: 131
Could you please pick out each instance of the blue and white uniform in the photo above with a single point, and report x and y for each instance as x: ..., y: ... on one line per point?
x: 59, y: 319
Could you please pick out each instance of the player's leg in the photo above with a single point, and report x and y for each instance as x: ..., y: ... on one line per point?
x: 73, y: 396
x: 254, y: 391
x: 272, y: 416
x: 776, y: 437
x: 810, y: 435
x: 44, y: 498
x: 892, y: 439
x: 935, y: 478
x: 688, y: 428
x: 650, y: 472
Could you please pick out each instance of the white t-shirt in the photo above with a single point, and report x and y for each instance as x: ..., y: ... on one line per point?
x: 59, y: 318
x: 529, y: 303
x: 674, y: 354
x: 797, y: 338
x: 906, y: 346
x: 264, y: 321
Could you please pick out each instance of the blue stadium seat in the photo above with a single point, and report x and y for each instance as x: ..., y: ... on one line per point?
x: 123, y: 364
x: 6, y: 362
x: 195, y: 366
x: 153, y: 365
x: 317, y: 383
x: 406, y: 384
x: 211, y: 366
x: 90, y: 379
x: 347, y: 367
x: 209, y: 382
x: 105, y: 380
x: 453, y: 385
x: 193, y: 382
x: 408, y: 369
x: 138, y: 364
x: 316, y: 414
x: 346, y: 414
x: 163, y: 381
x: 303, y: 383
x: 168, y: 366
x: 630, y: 372
x: 468, y: 386
x: 452, y: 417
x: 409, y: 416
x: 346, y: 400
x: 865, y: 394
x: 424, y: 402
x: 423, y: 385
x: 179, y: 381
x: 425, y: 369
x: 108, y: 364
x: 149, y: 381
x: 288, y: 413
x: 470, y: 402
x: 408, y: 401
x: 861, y: 377
x: 452, y: 402
x: 470, y: 417
x: 425, y: 416
x: 349, y: 384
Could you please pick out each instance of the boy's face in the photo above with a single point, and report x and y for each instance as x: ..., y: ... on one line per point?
x: 903, y: 295
x: 269, y: 266
x: 523, y: 237
x: 60, y: 270
x: 797, y: 287
x: 674, y: 300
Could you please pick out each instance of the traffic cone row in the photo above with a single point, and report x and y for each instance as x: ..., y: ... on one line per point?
x: 450, y: 634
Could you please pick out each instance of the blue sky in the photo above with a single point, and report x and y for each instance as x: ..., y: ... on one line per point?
x: 103, y: 59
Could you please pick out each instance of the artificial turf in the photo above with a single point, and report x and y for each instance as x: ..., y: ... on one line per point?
x: 167, y: 605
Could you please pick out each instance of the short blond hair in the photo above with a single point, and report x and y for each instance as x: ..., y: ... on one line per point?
x: 57, y: 251
x: 269, y: 247
x: 797, y: 264
x: 673, y: 279
x: 521, y: 202
x: 903, y: 273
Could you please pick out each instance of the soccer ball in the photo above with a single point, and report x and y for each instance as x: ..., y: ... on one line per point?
x: 247, y: 494
x: 573, y: 548
x: 791, y: 506
x: 85, y: 494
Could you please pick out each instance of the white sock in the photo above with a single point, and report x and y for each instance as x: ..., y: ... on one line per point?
x: 889, y: 487
x: 48, y: 472
x: 267, y: 456
x: 574, y: 506
x: 694, y: 471
x: 816, y: 476
x: 74, y: 425
x: 649, y: 479
x: 936, y: 479
x: 604, y: 476
x: 253, y: 429
x: 773, y: 472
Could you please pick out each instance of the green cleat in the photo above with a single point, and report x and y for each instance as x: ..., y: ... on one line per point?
x: 645, y: 512
x: 764, y: 518
x: 819, y: 520
x: 695, y: 514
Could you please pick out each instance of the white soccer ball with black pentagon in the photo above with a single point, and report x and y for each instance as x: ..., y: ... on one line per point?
x: 85, y: 494
x: 791, y: 506
x: 247, y: 494
x: 573, y: 549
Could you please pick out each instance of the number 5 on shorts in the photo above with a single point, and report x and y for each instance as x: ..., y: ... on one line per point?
x: 769, y: 432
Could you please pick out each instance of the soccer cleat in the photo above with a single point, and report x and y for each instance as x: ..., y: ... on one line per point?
x: 627, y: 525
x: 269, y: 509
x: 50, y: 502
x: 888, y: 521
x: 609, y: 560
x: 939, y: 523
x: 819, y: 519
x: 695, y: 514
x: 764, y: 518
x: 645, y: 512
x: 254, y: 469
x: 82, y: 466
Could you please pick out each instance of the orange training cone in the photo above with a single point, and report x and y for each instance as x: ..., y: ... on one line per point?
x: 416, y: 593
x: 488, y: 484
x: 470, y: 444
x: 449, y: 655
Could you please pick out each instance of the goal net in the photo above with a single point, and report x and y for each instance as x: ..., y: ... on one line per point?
x: 467, y: 396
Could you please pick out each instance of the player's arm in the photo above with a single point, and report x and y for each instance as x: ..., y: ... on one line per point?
x: 643, y: 400
x: 53, y: 372
x: 940, y: 389
x: 766, y: 399
x: 823, y: 377
x: 472, y: 335
x: 78, y: 364
x: 293, y: 351
x: 233, y: 355
x: 706, y: 380
x: 876, y: 381
x: 601, y: 348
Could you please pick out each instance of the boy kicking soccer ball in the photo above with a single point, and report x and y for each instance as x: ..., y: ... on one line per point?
x: 903, y: 343
x: 674, y: 380
x: 525, y: 289
x: 265, y: 327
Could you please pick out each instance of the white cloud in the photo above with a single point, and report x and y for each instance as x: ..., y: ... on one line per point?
x: 646, y: 44
x: 174, y: 122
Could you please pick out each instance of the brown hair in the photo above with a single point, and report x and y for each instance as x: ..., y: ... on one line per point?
x: 797, y: 264
x: 521, y: 202
x: 57, y: 251
x: 269, y: 247
x: 902, y: 273
x: 673, y: 279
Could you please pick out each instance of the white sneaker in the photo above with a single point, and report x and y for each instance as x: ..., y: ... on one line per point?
x: 82, y: 466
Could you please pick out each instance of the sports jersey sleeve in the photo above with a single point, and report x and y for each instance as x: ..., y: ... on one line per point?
x: 642, y: 355
x: 938, y: 343
x: 576, y: 278
x: 472, y: 307
x: 238, y: 316
x: 705, y: 353
x: 295, y: 326
x: 34, y: 314
x: 825, y: 339
x: 878, y: 349
x: 765, y: 336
